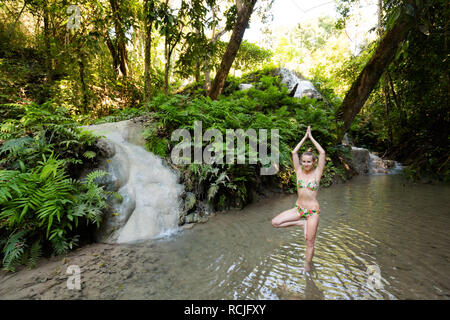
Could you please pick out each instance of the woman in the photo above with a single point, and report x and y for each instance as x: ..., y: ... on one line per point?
x: 306, y: 212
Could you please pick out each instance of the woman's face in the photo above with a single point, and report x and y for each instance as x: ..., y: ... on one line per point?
x: 307, y: 162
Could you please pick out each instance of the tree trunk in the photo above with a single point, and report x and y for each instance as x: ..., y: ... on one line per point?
x: 208, y: 62
x: 244, y: 11
x: 18, y: 18
x: 197, y: 71
x: 112, y: 50
x: 147, y: 54
x: 214, y: 38
x: 387, y: 99
x: 166, y: 66
x: 48, y: 64
x: 386, y: 94
x: 123, y: 57
x: 370, y: 75
x: 166, y: 57
x: 397, y: 101
x: 121, y: 50
x: 84, y: 92
x: 207, y: 76
x: 168, y: 50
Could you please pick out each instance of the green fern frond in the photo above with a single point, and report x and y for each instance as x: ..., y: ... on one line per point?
x: 35, y: 253
x: 94, y: 215
x: 116, y: 195
x: 8, y: 181
x: 7, y: 129
x: 60, y: 245
x: 14, y: 250
x: 212, y: 191
x: 89, y: 154
x: 15, y: 146
x: 91, y: 177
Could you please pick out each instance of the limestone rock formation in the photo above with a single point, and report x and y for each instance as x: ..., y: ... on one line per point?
x: 151, y: 195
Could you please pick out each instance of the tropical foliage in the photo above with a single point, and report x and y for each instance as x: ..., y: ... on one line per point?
x: 265, y: 106
x: 42, y: 201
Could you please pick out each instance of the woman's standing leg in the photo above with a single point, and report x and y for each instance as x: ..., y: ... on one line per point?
x: 312, y: 224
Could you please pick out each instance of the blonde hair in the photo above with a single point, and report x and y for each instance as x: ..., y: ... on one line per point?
x: 309, y: 153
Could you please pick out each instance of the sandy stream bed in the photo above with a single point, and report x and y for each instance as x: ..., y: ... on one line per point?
x: 104, y: 270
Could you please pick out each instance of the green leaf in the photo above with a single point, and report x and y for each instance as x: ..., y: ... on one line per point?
x: 212, y: 191
x: 393, y: 18
x: 89, y: 154
x: 24, y: 212
x: 50, y: 221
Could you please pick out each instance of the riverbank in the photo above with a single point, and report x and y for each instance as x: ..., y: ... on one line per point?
x: 104, y: 268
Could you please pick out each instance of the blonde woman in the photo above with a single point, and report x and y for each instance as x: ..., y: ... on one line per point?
x: 307, y: 210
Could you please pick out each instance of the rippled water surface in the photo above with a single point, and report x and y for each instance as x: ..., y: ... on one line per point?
x: 376, y: 223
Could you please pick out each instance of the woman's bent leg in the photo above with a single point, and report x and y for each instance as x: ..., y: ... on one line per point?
x: 288, y: 218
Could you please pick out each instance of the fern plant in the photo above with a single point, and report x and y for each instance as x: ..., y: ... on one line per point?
x: 41, y: 202
x: 45, y: 203
x: 14, y: 249
x: 266, y: 106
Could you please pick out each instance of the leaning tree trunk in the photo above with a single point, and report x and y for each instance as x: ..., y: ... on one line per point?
x: 244, y: 11
x: 207, y: 66
x: 215, y: 37
x: 370, y: 75
x: 123, y: 56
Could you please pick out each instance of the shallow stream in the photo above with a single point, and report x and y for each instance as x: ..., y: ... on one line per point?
x: 379, y: 237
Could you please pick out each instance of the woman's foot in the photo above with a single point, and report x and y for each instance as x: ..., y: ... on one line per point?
x: 308, y: 269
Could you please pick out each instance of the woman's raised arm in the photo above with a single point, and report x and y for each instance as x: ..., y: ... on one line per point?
x: 321, y: 163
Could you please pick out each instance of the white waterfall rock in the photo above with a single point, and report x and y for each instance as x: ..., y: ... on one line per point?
x: 304, y: 88
x: 150, y: 190
x: 245, y: 86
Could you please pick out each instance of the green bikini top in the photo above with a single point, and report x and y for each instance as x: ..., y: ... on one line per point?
x: 312, y: 185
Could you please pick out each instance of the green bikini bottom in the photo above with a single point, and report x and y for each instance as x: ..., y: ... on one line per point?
x: 305, y: 213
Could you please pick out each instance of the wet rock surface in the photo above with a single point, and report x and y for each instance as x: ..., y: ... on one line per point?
x: 149, y: 203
